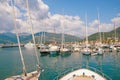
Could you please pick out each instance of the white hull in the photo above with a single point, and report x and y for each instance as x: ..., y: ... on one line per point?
x: 82, y: 74
x: 76, y: 49
x: 30, y: 76
x: 86, y: 51
x: 29, y: 45
x: 54, y: 49
x: 98, y: 51
x: 64, y: 50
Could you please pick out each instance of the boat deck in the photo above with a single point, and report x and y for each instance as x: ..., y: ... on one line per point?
x: 83, y: 74
x: 30, y: 76
x: 83, y: 78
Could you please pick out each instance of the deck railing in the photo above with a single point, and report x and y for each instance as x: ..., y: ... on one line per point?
x: 79, y: 67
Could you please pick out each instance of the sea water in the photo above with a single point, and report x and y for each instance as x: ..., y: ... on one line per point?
x: 53, y: 65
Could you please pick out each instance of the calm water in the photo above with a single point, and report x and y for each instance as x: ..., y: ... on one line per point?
x: 10, y: 64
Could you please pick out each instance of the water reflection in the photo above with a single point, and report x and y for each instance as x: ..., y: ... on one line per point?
x: 85, y: 60
x: 43, y: 55
x: 65, y: 54
x: 54, y: 55
x: 99, y: 61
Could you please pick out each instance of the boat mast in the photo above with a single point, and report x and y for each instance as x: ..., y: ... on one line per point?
x: 41, y: 38
x: 115, y: 32
x: 44, y: 35
x: 100, y: 39
x: 18, y: 40
x: 86, y: 30
x: 54, y: 31
x: 30, y: 20
x: 62, y: 33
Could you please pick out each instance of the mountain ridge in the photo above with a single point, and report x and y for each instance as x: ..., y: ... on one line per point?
x: 105, y: 35
x: 9, y: 37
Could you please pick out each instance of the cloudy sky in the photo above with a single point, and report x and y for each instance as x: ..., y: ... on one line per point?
x: 70, y: 14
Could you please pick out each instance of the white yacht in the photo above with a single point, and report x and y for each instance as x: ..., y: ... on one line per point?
x: 100, y: 51
x: 82, y: 74
x: 44, y: 49
x: 63, y: 50
x: 29, y: 45
x: 86, y: 50
x: 113, y: 48
x: 54, y: 49
x: 76, y: 49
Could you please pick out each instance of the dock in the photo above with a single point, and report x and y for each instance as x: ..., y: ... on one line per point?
x: 11, y: 45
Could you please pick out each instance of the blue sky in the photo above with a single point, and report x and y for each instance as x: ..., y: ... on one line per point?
x: 107, y: 8
x: 70, y: 14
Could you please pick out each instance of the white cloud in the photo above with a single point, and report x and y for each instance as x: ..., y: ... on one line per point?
x: 118, y: 14
x: 94, y: 23
x: 44, y: 21
x: 116, y: 21
x: 5, y: 17
x: 104, y: 27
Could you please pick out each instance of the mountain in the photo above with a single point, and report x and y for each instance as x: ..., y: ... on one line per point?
x: 9, y: 37
x: 110, y: 34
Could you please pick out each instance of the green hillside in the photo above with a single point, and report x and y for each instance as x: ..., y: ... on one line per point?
x: 105, y: 35
x: 11, y: 38
x: 49, y: 37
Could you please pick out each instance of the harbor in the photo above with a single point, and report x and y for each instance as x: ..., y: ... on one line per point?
x: 59, y: 40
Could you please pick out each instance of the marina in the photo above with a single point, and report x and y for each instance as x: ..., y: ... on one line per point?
x: 42, y: 40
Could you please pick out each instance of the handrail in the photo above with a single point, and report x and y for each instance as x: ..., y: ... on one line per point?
x: 79, y: 67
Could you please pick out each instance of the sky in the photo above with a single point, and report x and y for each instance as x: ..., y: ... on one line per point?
x: 66, y: 16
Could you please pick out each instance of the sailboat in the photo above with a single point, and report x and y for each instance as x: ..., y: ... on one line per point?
x: 112, y: 46
x: 41, y: 41
x: 43, y: 49
x: 54, y: 48
x: 34, y: 75
x: 86, y: 50
x: 29, y: 45
x: 63, y: 49
x: 99, y: 49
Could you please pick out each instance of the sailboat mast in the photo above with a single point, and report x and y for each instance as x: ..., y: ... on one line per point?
x: 18, y: 40
x: 44, y: 37
x: 32, y: 33
x: 62, y: 43
x: 41, y: 38
x: 99, y: 27
x: 63, y: 35
x: 115, y: 31
x: 86, y: 30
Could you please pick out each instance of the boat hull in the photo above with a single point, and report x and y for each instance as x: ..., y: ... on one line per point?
x: 30, y: 76
x: 81, y: 73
